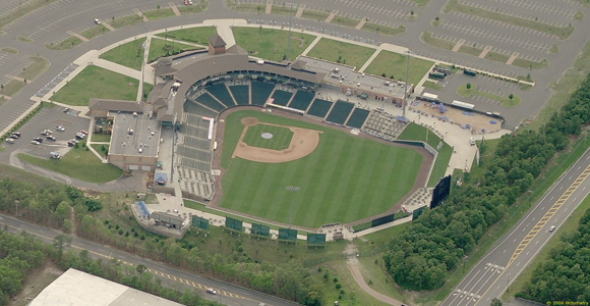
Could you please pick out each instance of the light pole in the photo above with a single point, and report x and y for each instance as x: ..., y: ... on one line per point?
x: 292, y: 189
x: 290, y: 5
x: 406, y: 88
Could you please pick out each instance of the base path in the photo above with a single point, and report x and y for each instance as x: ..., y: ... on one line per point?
x: 303, y: 142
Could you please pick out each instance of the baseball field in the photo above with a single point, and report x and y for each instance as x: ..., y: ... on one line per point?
x: 342, y: 178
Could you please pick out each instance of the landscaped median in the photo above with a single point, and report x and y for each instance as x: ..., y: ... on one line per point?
x: 467, y: 90
x: 78, y: 163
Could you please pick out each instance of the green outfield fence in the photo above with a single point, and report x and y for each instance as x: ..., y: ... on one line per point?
x: 316, y: 239
x: 201, y: 223
x: 233, y: 224
x: 260, y: 230
x: 286, y: 234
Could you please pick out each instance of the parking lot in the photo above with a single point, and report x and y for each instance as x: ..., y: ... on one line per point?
x: 47, y: 118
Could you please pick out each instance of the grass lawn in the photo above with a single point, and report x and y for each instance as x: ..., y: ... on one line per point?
x: 418, y: 132
x: 129, y: 54
x: 199, y: 35
x: 66, y: 44
x: 561, y: 32
x: 78, y: 163
x: 432, y: 85
x: 101, y: 137
x: 567, y: 229
x: 280, y: 140
x: 163, y: 12
x: 10, y: 50
x: 375, y: 275
x: 204, y: 208
x: 395, y: 64
x: 271, y: 44
x: 98, y: 148
x: 97, y: 83
x: 568, y: 83
x: 345, y: 21
x: 337, y: 51
x: 94, y: 31
x: 427, y: 38
x: 23, y: 9
x: 367, y: 172
x: 161, y: 47
x: 506, y: 101
x: 314, y: 15
x: 490, y: 147
x: 383, y: 30
x: 126, y: 21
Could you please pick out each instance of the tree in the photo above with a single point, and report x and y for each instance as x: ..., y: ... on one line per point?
x: 496, y: 302
x: 468, y: 86
x: 511, y: 96
x: 61, y: 242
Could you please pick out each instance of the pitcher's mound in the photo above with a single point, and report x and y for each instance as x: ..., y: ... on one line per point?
x: 266, y: 135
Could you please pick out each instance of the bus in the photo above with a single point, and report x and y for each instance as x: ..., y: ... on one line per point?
x: 429, y: 97
x: 463, y: 105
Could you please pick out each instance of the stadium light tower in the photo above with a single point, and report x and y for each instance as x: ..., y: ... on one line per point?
x: 406, y: 88
x: 292, y: 189
x: 291, y: 6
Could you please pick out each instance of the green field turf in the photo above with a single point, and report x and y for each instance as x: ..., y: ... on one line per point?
x: 345, y: 179
x: 280, y: 140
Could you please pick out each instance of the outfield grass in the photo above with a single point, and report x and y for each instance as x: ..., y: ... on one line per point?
x: 129, y: 54
x: 280, y: 140
x: 341, y: 52
x: 368, y: 182
x: 97, y: 83
x: 199, y: 35
x: 561, y: 32
x: 506, y: 101
x: 78, y: 163
x: 271, y: 44
x: 161, y: 47
x: 417, y: 132
x: 395, y: 64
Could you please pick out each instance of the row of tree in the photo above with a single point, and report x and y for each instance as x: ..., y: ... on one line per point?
x: 564, y: 275
x: 420, y: 257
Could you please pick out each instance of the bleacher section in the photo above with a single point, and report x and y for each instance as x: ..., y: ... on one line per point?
x: 193, y: 152
x: 301, y: 100
x: 220, y: 92
x: 260, y: 92
x: 191, y: 107
x: 241, y: 94
x: 383, y: 125
x: 207, y: 100
x: 319, y: 108
x: 282, y: 97
x: 340, y: 112
x: 358, y: 117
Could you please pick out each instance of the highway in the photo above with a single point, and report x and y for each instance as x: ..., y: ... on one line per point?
x: 491, y: 276
x: 175, y: 278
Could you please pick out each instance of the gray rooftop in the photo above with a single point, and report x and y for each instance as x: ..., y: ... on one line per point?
x: 216, y: 41
x: 349, y: 76
x: 77, y: 288
x: 116, y: 105
x: 143, y: 127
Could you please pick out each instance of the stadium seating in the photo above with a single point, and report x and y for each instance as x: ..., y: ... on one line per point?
x: 207, y: 100
x: 301, y: 100
x: 340, y: 112
x: 194, y: 131
x: 282, y: 97
x: 358, y: 118
x: 260, y: 92
x: 241, y: 94
x: 220, y: 92
x: 194, y: 108
x: 193, y: 153
x: 383, y: 125
x: 195, y: 142
x: 195, y: 164
x: 319, y: 108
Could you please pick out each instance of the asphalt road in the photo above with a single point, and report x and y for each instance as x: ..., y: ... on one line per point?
x: 491, y: 277
x: 175, y: 278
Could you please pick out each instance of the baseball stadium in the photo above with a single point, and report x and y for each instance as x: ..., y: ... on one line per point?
x: 280, y: 141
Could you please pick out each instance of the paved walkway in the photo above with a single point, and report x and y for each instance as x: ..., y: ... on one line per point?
x: 354, y: 267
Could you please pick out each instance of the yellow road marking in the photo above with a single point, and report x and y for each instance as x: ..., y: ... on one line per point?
x: 537, y: 228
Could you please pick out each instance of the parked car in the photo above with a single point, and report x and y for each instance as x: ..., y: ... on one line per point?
x: 35, y: 142
x: 60, y: 128
x: 17, y: 134
x: 552, y: 228
x: 71, y: 143
x: 10, y: 141
x: 80, y: 136
x: 14, y: 136
x: 85, y: 132
x: 54, y: 155
x: 67, y: 109
x: 74, y: 140
x: 52, y: 138
x: 97, y: 21
x: 46, y: 132
x: 38, y: 139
